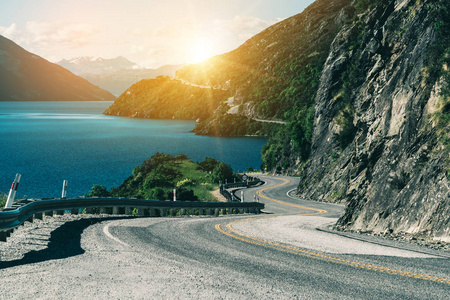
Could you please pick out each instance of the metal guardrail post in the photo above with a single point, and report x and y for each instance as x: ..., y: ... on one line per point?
x: 128, y: 210
x: 64, y: 189
x: 30, y: 219
x: 163, y: 212
x: 2, y: 236
x: 12, y: 191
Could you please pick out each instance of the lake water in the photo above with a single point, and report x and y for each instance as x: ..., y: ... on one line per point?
x: 48, y: 142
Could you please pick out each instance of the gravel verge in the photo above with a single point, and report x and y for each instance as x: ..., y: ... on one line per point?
x: 32, y: 238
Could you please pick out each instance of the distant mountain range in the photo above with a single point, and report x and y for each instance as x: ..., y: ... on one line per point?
x: 114, y: 75
x: 96, y: 65
x: 28, y: 77
x: 117, y: 82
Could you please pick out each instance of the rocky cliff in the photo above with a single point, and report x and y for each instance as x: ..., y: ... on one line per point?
x: 381, y: 130
x: 28, y: 77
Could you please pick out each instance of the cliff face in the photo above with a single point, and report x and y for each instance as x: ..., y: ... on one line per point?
x: 381, y: 132
x: 28, y: 77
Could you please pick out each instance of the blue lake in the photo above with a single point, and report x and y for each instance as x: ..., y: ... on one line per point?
x: 48, y: 142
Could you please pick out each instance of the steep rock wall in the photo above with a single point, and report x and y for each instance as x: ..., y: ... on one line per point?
x: 374, y: 144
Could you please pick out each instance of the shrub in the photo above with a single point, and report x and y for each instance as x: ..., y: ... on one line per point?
x: 3, y: 198
x: 98, y: 191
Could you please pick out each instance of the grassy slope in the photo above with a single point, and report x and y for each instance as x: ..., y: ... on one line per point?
x: 158, y: 176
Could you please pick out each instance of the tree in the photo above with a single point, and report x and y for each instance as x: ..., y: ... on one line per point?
x: 221, y: 172
x: 208, y: 164
x: 98, y: 191
x: 156, y: 193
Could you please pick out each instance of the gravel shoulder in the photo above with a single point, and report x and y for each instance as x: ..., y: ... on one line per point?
x: 302, y: 232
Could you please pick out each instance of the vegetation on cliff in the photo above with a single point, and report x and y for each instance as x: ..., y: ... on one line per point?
x: 156, y: 178
x: 438, y: 61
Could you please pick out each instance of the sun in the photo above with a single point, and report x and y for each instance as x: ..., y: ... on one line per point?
x: 200, y: 51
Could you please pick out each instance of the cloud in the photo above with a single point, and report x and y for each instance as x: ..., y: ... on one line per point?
x: 143, y: 51
x: 137, y: 49
x: 9, y: 32
x: 56, y: 34
x: 168, y: 30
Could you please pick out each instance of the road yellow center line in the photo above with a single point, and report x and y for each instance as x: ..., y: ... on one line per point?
x: 286, y: 248
x: 287, y: 181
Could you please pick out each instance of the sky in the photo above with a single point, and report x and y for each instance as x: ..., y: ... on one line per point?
x: 150, y: 33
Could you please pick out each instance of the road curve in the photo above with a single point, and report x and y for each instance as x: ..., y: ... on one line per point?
x: 276, y: 255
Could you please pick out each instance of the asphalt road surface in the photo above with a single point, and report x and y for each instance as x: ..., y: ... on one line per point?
x: 279, y: 254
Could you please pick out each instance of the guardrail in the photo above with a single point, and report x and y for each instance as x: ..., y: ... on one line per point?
x: 27, y: 210
x: 230, y: 196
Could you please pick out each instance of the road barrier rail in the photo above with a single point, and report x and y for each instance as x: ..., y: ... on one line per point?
x: 229, y: 194
x: 29, y: 209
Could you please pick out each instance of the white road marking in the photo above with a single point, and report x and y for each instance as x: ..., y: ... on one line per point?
x: 108, y: 234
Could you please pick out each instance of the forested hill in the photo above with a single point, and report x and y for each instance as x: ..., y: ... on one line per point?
x: 167, y: 98
x: 364, y: 88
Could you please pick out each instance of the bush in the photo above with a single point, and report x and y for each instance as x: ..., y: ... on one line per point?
x: 156, y: 193
x: 221, y: 172
x: 98, y: 191
x: 182, y: 195
x: 208, y: 164
x: 156, y: 178
x: 3, y: 198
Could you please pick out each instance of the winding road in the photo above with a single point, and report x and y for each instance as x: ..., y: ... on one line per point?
x: 280, y: 254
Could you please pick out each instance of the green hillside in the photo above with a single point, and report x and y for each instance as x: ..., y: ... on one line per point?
x: 156, y: 178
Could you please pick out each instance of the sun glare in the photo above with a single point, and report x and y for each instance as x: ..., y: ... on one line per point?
x: 200, y: 51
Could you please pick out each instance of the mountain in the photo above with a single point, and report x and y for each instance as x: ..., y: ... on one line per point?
x: 28, y: 77
x: 93, y: 65
x: 114, y: 75
x: 118, y: 81
x: 363, y: 87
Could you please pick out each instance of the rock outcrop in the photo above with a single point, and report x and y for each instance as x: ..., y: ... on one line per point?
x: 383, y: 153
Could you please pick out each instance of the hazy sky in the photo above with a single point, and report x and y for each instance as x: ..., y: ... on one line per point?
x: 149, y: 32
